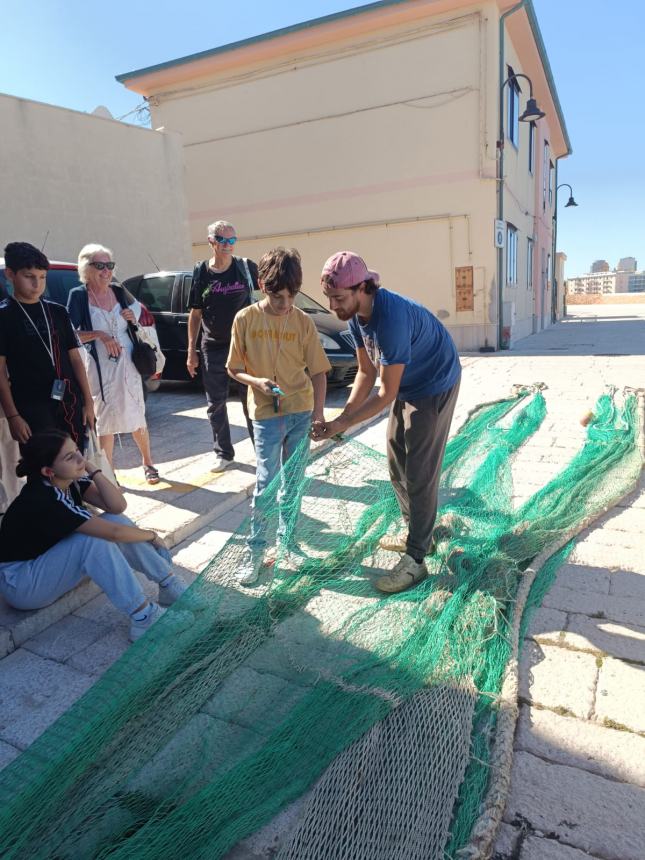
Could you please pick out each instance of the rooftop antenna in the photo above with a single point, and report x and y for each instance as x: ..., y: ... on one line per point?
x: 153, y: 263
x: 45, y: 240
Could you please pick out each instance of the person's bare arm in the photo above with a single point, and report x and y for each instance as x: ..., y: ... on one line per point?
x: 18, y: 427
x: 363, y: 383
x: 81, y: 377
x: 194, y: 323
x: 103, y: 493
x: 390, y: 382
x: 319, y: 382
x: 117, y: 532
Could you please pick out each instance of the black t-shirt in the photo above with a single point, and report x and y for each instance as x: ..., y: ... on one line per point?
x: 40, y: 517
x: 30, y: 366
x: 219, y: 296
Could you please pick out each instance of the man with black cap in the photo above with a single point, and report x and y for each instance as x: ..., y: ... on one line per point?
x: 420, y: 373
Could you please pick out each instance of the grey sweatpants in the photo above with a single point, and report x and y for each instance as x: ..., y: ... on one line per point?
x: 417, y: 432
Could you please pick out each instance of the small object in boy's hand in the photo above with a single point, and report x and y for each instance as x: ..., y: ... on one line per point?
x: 586, y: 418
x: 277, y: 390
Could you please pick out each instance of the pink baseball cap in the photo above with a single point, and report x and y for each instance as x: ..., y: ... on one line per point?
x: 346, y: 269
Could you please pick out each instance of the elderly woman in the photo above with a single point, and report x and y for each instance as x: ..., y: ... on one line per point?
x: 96, y: 310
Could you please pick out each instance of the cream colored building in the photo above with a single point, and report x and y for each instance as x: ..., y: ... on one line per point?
x: 70, y: 178
x: 376, y: 130
x: 593, y: 284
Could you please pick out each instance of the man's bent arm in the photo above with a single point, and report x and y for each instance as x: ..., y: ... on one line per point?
x: 363, y: 384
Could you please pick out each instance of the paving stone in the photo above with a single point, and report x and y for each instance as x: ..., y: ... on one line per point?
x: 547, y: 625
x: 581, y: 743
x: 194, y: 754
x: 623, y: 609
x: 64, y: 638
x: 579, y: 809
x: 33, y: 693
x: 7, y: 754
x: 620, y: 697
x: 256, y: 701
x: 6, y: 642
x: 103, y: 612
x: 548, y: 849
x: 24, y: 625
x: 582, y: 578
x: 506, y: 842
x: 626, y: 642
x: 596, y: 555
x: 101, y: 654
x: 627, y: 583
x: 558, y: 678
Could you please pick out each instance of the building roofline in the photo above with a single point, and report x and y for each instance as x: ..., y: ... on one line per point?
x: 262, y: 37
x: 539, y: 41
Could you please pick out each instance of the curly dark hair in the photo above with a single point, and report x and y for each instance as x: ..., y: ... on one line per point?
x: 22, y: 255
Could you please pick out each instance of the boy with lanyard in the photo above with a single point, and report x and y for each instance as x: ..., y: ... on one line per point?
x: 43, y: 384
x: 275, y: 350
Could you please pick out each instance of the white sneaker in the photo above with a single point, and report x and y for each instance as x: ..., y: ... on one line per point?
x: 138, y: 628
x: 405, y: 574
x: 171, y: 590
x: 221, y: 465
x: 249, y: 570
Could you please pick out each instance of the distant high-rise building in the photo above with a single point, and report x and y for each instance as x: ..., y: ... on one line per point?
x: 593, y: 284
x: 636, y: 283
x: 626, y: 264
x: 600, y: 266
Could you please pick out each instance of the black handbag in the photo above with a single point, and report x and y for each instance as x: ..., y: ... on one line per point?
x: 144, y: 356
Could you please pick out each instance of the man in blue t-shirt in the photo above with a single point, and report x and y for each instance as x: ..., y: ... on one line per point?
x: 419, y: 379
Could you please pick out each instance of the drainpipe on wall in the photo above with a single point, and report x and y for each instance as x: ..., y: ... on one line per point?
x: 500, y: 175
x: 554, y: 238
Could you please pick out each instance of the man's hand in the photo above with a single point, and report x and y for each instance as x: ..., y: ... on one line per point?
x: 89, y: 418
x: 19, y: 429
x: 192, y: 362
x: 330, y: 429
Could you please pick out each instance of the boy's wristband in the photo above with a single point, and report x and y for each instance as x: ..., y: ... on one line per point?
x: 95, y: 472
x: 9, y: 417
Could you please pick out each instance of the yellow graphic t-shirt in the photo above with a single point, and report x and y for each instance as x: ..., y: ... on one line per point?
x: 284, y: 348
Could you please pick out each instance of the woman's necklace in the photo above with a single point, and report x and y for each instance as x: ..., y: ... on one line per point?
x: 106, y: 313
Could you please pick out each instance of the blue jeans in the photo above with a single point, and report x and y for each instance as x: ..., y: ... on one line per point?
x: 276, y: 439
x: 40, y: 581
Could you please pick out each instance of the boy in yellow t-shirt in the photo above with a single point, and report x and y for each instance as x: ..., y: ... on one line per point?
x: 275, y: 350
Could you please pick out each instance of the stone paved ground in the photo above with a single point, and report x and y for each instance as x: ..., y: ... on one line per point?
x: 578, y: 787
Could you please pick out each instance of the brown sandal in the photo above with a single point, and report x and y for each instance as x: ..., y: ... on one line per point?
x: 152, y: 475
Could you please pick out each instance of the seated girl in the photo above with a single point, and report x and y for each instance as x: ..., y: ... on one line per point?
x: 49, y: 541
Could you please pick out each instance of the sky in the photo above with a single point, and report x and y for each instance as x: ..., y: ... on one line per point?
x: 67, y: 52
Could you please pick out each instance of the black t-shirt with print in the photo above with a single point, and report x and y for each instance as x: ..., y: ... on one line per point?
x: 29, y: 364
x: 40, y: 517
x: 219, y: 296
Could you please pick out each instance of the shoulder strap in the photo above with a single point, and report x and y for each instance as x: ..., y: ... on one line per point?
x: 247, y: 273
x: 120, y: 295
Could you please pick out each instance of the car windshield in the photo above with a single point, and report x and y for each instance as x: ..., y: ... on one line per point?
x: 303, y: 301
x: 59, y: 284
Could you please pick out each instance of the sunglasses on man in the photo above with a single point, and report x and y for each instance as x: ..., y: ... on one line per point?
x: 222, y: 240
x: 100, y: 265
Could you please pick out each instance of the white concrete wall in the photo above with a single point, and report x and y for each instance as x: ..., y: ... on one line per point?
x: 386, y: 148
x: 82, y: 178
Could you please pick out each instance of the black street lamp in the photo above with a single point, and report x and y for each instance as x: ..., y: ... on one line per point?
x: 532, y: 112
x: 570, y: 201
x: 554, y: 297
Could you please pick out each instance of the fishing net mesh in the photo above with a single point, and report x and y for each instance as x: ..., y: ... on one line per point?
x: 379, y: 711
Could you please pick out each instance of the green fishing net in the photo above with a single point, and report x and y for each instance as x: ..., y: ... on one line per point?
x: 365, y: 721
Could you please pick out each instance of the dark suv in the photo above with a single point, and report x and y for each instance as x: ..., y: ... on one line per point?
x: 165, y: 294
